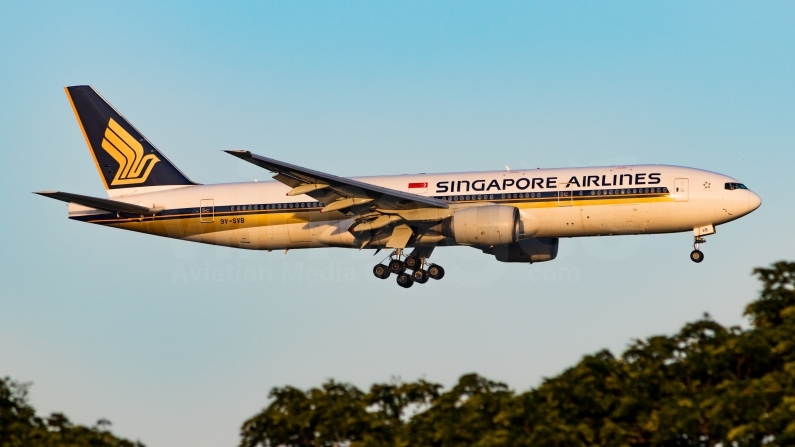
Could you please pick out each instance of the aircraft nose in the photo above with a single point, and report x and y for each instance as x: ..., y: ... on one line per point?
x: 754, y: 201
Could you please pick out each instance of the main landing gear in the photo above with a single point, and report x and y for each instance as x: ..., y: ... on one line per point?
x: 696, y: 255
x: 410, y: 270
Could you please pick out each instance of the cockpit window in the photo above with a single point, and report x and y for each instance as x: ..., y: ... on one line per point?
x: 731, y: 186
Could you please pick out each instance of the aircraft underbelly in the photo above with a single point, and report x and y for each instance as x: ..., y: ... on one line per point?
x: 310, y: 230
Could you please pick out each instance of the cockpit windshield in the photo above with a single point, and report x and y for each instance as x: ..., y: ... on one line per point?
x: 731, y: 186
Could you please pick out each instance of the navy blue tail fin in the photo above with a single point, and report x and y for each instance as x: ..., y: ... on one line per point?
x: 124, y: 157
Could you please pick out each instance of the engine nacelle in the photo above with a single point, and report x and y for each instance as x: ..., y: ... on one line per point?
x: 484, y: 225
x: 536, y: 249
x: 528, y: 225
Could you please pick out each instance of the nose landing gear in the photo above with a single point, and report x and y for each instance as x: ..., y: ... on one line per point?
x: 697, y: 255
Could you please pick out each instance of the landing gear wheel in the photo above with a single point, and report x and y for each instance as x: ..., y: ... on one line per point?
x: 412, y: 263
x: 696, y: 256
x: 381, y: 271
x: 420, y: 276
x: 404, y: 280
x: 435, y: 271
x: 396, y: 266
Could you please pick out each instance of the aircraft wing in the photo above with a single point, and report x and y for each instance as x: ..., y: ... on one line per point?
x: 101, y: 204
x: 339, y: 193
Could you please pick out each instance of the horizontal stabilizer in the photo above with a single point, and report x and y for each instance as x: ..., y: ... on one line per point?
x: 101, y: 204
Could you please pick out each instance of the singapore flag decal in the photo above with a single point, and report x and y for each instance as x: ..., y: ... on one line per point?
x: 419, y: 187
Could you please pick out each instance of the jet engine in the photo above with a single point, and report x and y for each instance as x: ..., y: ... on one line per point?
x: 536, y: 249
x: 483, y: 225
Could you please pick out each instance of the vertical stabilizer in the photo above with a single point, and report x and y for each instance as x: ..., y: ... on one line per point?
x: 123, y: 156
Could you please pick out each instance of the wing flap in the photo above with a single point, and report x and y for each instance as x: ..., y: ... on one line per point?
x: 305, y: 188
x: 400, y: 236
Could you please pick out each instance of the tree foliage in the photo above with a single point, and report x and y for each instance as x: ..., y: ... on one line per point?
x: 707, y: 385
x: 21, y: 427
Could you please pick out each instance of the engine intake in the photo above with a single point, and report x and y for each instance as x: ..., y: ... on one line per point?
x: 484, y: 225
x: 536, y: 249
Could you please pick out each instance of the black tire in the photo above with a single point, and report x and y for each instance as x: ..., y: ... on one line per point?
x: 412, y: 263
x: 435, y: 271
x: 396, y: 266
x: 696, y: 256
x: 381, y: 271
x: 420, y: 276
x: 404, y: 280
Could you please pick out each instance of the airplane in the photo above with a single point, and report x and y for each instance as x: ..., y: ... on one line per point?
x: 516, y: 216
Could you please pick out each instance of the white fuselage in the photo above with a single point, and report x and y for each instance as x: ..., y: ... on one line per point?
x: 566, y: 202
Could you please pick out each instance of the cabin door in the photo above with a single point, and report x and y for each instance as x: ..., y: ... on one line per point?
x: 681, y: 190
x: 564, y: 195
x: 206, y: 211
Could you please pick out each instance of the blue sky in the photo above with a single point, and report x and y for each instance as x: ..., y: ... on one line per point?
x: 147, y: 331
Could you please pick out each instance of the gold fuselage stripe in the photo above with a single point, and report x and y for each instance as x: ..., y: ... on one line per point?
x: 281, y: 215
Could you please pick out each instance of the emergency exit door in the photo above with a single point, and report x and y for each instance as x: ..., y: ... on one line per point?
x: 681, y: 190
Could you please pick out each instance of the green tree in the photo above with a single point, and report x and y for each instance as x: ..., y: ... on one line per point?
x: 21, y: 427
x: 337, y: 414
x: 467, y: 415
x: 391, y: 406
x: 706, y: 386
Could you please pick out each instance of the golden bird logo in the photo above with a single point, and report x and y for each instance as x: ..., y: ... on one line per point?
x: 134, y: 166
